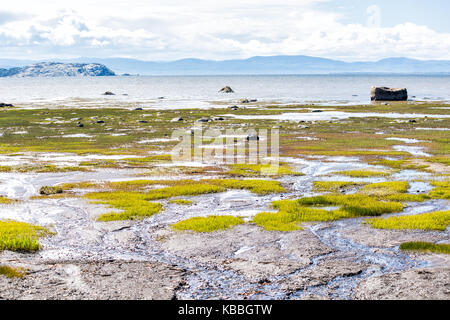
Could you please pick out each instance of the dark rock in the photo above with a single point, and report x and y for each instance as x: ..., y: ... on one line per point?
x: 412, y: 121
x: 264, y: 281
x: 142, y: 121
x: 5, y: 105
x: 234, y: 108
x: 204, y: 120
x: 253, y: 137
x: 161, y: 98
x: 138, y: 109
x: 244, y: 101
x: 179, y: 119
x: 109, y: 93
x: 80, y: 125
x: 100, y: 121
x: 47, y: 190
x: 226, y: 89
x: 219, y: 119
x: 317, y: 111
x: 389, y: 94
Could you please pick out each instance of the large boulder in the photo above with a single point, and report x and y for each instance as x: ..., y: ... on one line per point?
x: 389, y: 94
x: 226, y: 89
x: 5, y: 105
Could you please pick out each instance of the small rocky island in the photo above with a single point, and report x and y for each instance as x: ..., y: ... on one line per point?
x: 56, y: 69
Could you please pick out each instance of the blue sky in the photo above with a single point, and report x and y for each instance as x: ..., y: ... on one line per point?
x: 174, y: 29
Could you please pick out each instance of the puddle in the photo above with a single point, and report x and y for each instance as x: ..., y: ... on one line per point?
x: 157, y: 140
x: 333, y: 115
x: 78, y: 135
x: 415, y: 151
x: 434, y: 129
x: 405, y: 140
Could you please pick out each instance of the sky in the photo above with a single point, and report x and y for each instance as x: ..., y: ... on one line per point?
x: 164, y: 30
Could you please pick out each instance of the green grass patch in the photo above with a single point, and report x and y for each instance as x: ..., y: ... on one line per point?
x: 4, y: 200
x: 386, y: 188
x: 208, y: 224
x: 442, y: 159
x: 398, y: 164
x: 428, y: 221
x: 334, y: 186
x: 363, y: 173
x: 10, y: 272
x: 406, y: 197
x: 356, y: 204
x: 187, y: 190
x: 41, y: 169
x: 260, y: 187
x: 134, y: 206
x: 133, y: 197
x: 181, y: 202
x: 292, y: 215
x: 21, y: 236
x: 425, y: 247
x: 293, y: 212
x: 255, y: 170
x: 185, y: 187
x: 441, y: 190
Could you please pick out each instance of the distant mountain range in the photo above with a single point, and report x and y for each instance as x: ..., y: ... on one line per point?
x: 57, y: 69
x: 255, y: 65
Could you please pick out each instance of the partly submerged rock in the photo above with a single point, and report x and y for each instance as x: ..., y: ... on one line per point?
x: 109, y: 93
x: 178, y: 119
x: 389, y: 94
x: 248, y: 100
x: 226, y: 89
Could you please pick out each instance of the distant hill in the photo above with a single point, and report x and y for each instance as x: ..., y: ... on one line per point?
x: 264, y: 65
x: 57, y: 69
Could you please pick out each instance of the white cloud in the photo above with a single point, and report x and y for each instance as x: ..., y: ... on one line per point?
x: 172, y: 29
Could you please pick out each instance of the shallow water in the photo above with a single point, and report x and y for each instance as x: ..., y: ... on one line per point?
x: 199, y: 91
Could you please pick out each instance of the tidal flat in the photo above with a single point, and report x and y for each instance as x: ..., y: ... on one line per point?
x: 94, y: 206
